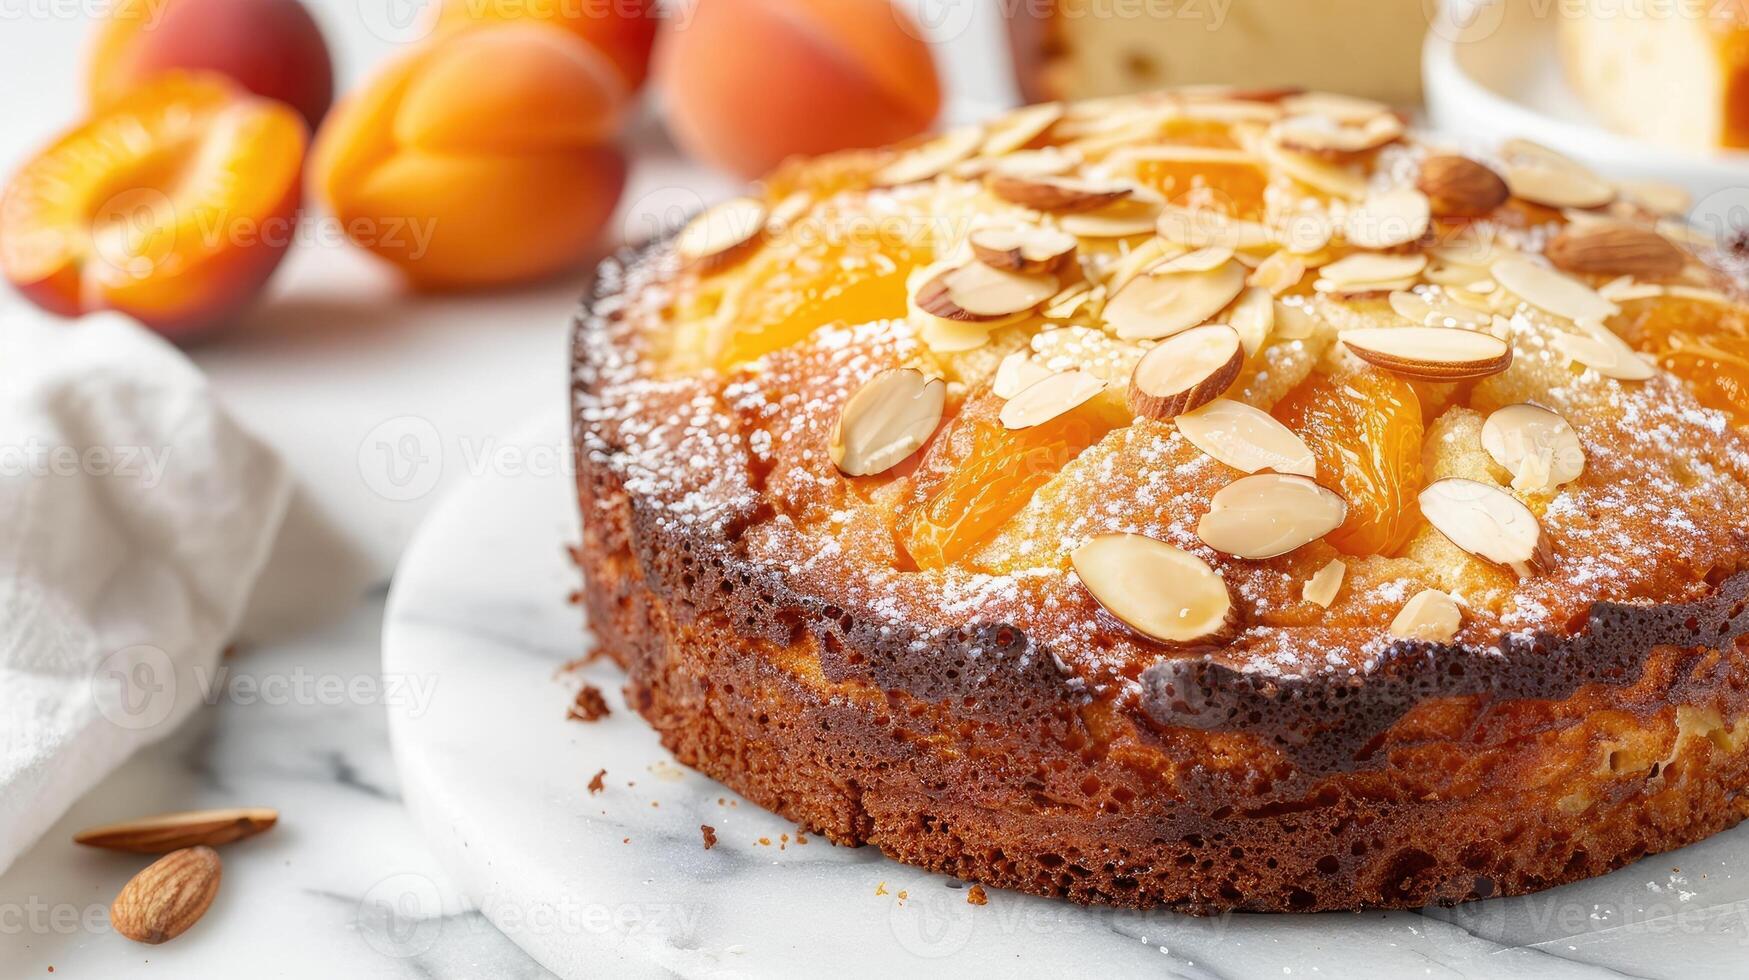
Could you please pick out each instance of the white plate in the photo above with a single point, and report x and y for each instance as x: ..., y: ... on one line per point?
x: 620, y: 884
x: 1492, y: 73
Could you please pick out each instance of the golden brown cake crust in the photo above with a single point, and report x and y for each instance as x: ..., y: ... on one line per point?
x: 1001, y: 771
x: 999, y: 728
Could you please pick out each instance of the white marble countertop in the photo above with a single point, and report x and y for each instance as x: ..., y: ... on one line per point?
x: 299, y: 726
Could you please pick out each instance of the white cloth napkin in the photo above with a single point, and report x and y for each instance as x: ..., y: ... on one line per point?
x: 134, y: 519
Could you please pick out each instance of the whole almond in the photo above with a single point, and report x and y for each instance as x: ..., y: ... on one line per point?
x: 170, y: 831
x: 1603, y: 249
x: 1458, y: 187
x: 171, y: 894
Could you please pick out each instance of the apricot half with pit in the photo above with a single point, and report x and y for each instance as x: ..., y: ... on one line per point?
x: 174, y: 206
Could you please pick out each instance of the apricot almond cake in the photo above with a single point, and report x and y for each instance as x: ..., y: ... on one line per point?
x: 1213, y: 499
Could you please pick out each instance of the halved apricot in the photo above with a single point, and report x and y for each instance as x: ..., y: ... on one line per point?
x: 1365, y: 430
x: 174, y: 206
x: 1703, y: 343
x: 978, y: 474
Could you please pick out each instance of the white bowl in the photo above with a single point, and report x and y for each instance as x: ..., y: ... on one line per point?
x: 1491, y: 73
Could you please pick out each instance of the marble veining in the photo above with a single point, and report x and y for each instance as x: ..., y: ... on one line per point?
x: 496, y: 777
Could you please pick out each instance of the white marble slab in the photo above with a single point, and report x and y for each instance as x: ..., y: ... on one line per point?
x: 496, y: 776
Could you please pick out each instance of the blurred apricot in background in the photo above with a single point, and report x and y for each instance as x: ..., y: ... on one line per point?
x: 750, y: 82
x: 273, y: 48
x: 481, y: 159
x: 173, y: 205
x: 623, y: 30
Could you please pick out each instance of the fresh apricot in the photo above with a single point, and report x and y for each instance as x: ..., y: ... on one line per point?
x: 1364, y: 428
x: 750, y: 82
x: 623, y: 30
x: 480, y: 160
x: 270, y: 47
x: 173, y: 206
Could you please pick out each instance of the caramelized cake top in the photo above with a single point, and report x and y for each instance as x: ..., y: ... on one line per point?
x: 1250, y: 380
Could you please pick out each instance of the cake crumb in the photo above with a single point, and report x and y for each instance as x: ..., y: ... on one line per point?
x: 977, y: 896
x: 710, y: 835
x: 764, y: 842
x: 881, y: 889
x: 595, y: 783
x: 589, y: 706
x: 801, y: 838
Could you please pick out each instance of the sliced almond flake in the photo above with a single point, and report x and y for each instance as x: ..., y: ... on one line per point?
x: 1026, y: 249
x: 1304, y: 232
x: 1200, y: 260
x: 788, y: 211
x: 1700, y: 295
x: 1059, y: 194
x: 1140, y: 259
x: 1625, y: 290
x: 1294, y: 321
x: 1538, y: 447
x: 953, y: 336
x: 1246, y: 438
x: 1430, y: 617
x: 1551, y: 291
x: 1341, y: 108
x: 1325, y: 584
x: 1336, y: 180
x: 722, y: 235
x: 1321, y: 134
x: 1395, y: 217
x: 1252, y: 317
x: 1558, y: 188
x: 1153, y: 306
x: 1680, y: 231
x: 1656, y: 195
x: 1069, y: 302
x: 1280, y: 272
x: 1233, y: 111
x: 1020, y: 127
x: 1161, y: 592
x: 1471, y: 250
x: 886, y: 420
x: 1205, y: 227
x: 1353, y: 289
x: 1544, y: 176
x: 1607, y: 355
x: 1411, y: 306
x: 1436, y: 307
x: 1047, y: 162
x: 1373, y: 267
x: 1186, y: 371
x: 1487, y: 522
x: 1270, y: 514
x: 1135, y: 216
x: 978, y: 292
x: 1017, y: 372
x: 930, y: 159
x: 1048, y: 398
x: 1438, y: 354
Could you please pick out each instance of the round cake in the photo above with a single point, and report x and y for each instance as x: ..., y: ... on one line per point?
x: 1213, y: 500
